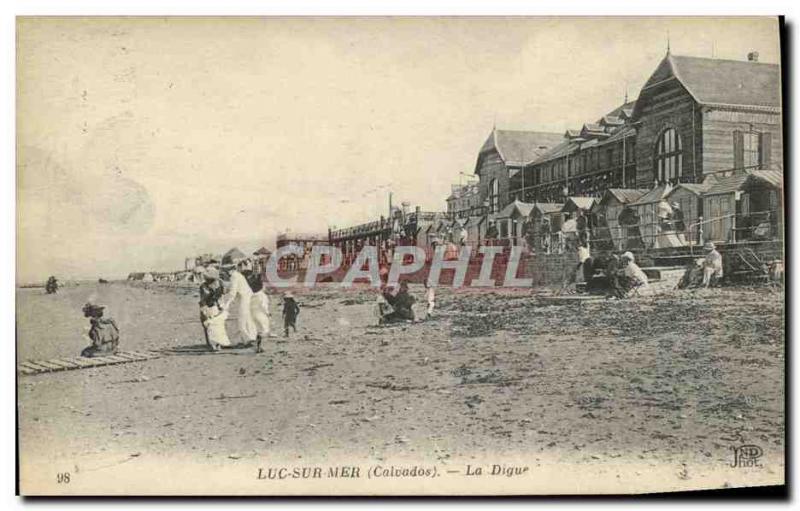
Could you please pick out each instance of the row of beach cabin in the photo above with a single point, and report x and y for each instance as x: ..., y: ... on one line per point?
x: 745, y: 206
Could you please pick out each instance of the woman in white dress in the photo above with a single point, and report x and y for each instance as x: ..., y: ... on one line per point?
x: 240, y: 287
x: 259, y: 307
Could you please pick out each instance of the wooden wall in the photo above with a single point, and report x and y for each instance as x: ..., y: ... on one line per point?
x: 492, y: 167
x: 663, y: 106
x: 718, y: 129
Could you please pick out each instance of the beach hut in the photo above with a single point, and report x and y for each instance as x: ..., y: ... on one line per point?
x: 544, y: 220
x: 609, y: 234
x: 720, y: 206
x: 573, y: 204
x: 762, y: 206
x: 689, y: 198
x: 260, y: 258
x: 512, y: 219
x: 650, y: 209
x: 735, y: 206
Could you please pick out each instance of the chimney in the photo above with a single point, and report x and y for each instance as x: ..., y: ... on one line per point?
x: 752, y: 56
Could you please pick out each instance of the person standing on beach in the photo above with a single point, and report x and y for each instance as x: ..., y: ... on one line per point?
x: 430, y: 297
x: 290, y: 312
x: 212, y: 312
x: 259, y: 307
x: 240, y: 287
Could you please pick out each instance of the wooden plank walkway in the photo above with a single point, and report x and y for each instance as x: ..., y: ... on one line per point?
x: 30, y: 367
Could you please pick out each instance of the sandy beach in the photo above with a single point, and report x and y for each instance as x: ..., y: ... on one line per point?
x: 662, y: 387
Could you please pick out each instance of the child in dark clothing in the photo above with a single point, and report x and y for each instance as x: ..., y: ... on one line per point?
x: 104, y: 333
x: 290, y: 312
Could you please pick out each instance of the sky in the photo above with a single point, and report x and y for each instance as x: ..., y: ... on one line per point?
x: 142, y: 141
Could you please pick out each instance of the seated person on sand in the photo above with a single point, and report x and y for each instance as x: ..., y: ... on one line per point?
x: 382, y: 307
x: 712, y: 265
x: 612, y: 270
x: 693, y: 275
x: 403, y: 304
x: 634, y: 280
x: 104, y: 333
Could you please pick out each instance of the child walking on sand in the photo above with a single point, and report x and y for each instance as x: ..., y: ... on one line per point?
x: 290, y: 312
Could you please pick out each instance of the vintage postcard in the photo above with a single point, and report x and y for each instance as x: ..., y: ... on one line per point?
x: 399, y: 256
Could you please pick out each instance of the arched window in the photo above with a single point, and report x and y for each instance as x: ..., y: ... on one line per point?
x: 494, y: 196
x: 669, y: 156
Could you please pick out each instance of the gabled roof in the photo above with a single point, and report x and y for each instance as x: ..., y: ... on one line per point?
x: 727, y: 184
x: 657, y: 194
x: 523, y: 208
x: 591, y: 129
x: 547, y: 207
x: 624, y: 110
x: 743, y: 180
x: 262, y: 251
x: 619, y: 133
x: 722, y: 83
x: 773, y: 178
x: 623, y: 195
x: 611, y: 120
x: 695, y: 188
x: 520, y: 147
x: 575, y: 203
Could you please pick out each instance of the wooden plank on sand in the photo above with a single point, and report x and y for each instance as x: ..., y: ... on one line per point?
x: 49, y: 365
x: 62, y: 363
x: 33, y: 366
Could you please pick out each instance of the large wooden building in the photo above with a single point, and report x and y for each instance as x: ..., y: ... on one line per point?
x: 501, y: 160
x: 693, y: 118
x: 700, y: 116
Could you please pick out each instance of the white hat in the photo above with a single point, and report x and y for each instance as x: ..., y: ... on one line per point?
x: 629, y: 256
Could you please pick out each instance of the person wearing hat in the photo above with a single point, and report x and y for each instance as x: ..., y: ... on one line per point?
x: 635, y: 280
x: 103, y: 333
x: 241, y: 289
x: 212, y: 311
x: 290, y: 312
x: 259, y: 307
x: 712, y: 265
